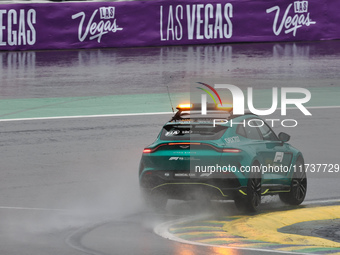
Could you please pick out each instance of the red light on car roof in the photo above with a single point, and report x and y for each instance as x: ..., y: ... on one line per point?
x: 228, y: 150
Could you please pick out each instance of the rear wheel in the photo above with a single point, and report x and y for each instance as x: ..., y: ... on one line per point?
x: 298, y: 186
x: 251, y: 201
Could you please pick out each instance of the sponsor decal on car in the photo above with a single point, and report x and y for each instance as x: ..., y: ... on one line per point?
x: 233, y: 139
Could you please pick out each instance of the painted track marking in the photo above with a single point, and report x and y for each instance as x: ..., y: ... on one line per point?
x: 264, y: 227
x: 244, y: 232
x: 133, y: 114
x: 32, y: 209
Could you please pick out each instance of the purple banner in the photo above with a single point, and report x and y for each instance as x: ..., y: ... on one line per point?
x: 157, y: 23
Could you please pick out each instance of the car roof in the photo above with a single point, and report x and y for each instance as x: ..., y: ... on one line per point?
x: 189, y: 117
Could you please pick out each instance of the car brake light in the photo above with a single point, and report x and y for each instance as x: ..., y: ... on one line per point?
x: 147, y: 150
x: 228, y: 150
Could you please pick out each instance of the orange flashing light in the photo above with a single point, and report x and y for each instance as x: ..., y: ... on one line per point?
x: 184, y: 107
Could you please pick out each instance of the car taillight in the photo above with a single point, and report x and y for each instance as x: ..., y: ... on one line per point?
x: 147, y: 150
x: 229, y: 150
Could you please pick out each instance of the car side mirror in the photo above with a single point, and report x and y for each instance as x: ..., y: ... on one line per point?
x: 283, y: 137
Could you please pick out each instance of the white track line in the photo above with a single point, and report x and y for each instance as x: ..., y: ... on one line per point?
x: 88, y: 116
x: 312, y: 202
x: 32, y: 209
x: 64, y: 210
x: 318, y: 107
x: 134, y: 114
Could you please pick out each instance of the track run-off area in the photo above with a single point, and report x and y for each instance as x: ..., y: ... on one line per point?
x: 267, y: 232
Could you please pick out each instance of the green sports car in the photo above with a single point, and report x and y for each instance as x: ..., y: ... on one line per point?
x: 221, y: 156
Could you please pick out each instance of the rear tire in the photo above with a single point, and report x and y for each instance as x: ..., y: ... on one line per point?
x: 252, y: 200
x: 298, y: 186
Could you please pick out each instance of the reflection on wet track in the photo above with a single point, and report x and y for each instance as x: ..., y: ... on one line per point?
x: 149, y: 70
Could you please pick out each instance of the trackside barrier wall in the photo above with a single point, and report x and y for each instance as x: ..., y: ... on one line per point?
x: 73, y: 25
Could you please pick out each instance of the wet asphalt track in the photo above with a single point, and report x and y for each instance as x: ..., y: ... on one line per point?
x: 71, y: 186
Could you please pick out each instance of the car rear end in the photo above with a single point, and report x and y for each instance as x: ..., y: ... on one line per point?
x: 184, y: 162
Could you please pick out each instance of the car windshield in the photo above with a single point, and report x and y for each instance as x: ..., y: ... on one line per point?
x: 192, y: 132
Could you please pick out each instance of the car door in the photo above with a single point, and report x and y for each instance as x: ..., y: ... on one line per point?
x: 257, y: 145
x: 277, y: 157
